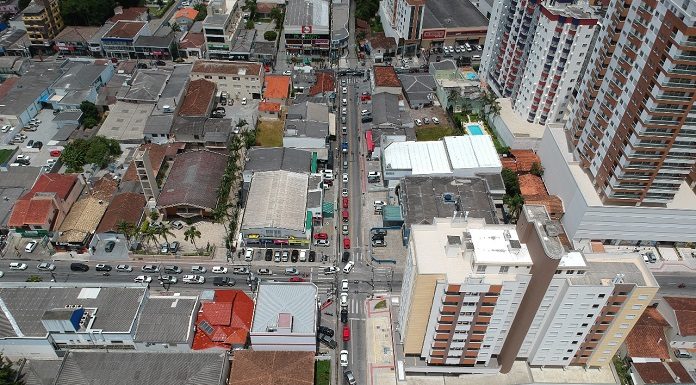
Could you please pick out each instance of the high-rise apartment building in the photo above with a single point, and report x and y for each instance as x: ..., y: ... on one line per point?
x: 476, y: 297
x: 632, y: 122
x: 43, y: 21
x: 535, y: 54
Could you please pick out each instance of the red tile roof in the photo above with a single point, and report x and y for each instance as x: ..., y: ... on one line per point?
x: 265, y: 7
x: 61, y: 184
x: 125, y: 29
x: 652, y: 317
x: 277, y: 87
x: 199, y: 96
x: 553, y: 204
x: 34, y: 210
x: 251, y: 367
x: 269, y: 107
x: 104, y: 188
x: 187, y: 12
x: 532, y: 185
x: 129, y: 14
x: 229, y: 316
x: 520, y: 161
x: 385, y: 76
x: 647, y: 342
x: 194, y: 180
x: 685, y: 311
x: 126, y: 207
x: 657, y: 373
x: 325, y: 83
x: 380, y: 41
x: 192, y: 40
x: 156, y: 153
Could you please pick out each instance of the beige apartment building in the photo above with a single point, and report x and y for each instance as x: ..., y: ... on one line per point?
x: 238, y: 79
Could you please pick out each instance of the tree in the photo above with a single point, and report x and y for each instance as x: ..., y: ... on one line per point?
x: 278, y: 16
x: 89, y: 110
x: 89, y: 122
x: 270, y: 35
x: 249, y: 24
x: 511, y: 181
x: 130, y: 3
x: 97, y: 149
x: 514, y: 204
x: 8, y: 373
x: 160, y: 3
x: 202, y: 12
x: 127, y: 229
x: 164, y: 231
x: 366, y: 9
x: 491, y: 106
x: 34, y: 278
x: 23, y: 4
x: 86, y: 12
x: 191, y: 234
x: 175, y: 26
x: 537, y: 169
x: 250, y: 6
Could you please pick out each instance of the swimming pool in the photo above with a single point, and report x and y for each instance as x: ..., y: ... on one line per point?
x: 471, y: 76
x: 474, y: 129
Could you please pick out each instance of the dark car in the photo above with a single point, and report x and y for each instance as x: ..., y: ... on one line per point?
x: 160, y: 63
x: 25, y: 162
x: 269, y: 255
x: 172, y: 269
x: 224, y: 281
x: 312, y: 256
x: 345, y: 257
x: 350, y: 378
x: 294, y: 256
x: 328, y: 341
x: 326, y: 330
x: 174, y: 247
x: 102, y: 267
x: 37, y: 144
x: 142, y: 66
x: 380, y: 232
x: 109, y: 247
x: 344, y: 316
x: 76, y: 266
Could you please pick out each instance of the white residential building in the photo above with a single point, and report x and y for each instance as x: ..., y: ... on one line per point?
x: 238, y: 79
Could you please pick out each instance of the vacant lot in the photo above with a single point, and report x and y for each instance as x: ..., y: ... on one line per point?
x: 322, y: 373
x: 269, y: 133
x: 5, y: 155
x: 433, y: 132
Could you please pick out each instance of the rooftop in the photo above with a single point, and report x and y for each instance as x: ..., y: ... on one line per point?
x: 126, y: 14
x: 82, y: 220
x: 279, y: 201
x: 277, y: 87
x: 380, y: 41
x: 425, y: 197
x: 224, y: 322
x: 126, y: 121
x: 30, y: 87
x: 186, y: 12
x: 419, y: 88
x: 76, y: 34
x: 647, y: 338
x: 339, y: 20
x: 152, y: 368
x: 385, y: 76
x: 125, y: 29
x: 269, y: 107
x: 35, y: 211
x: 15, y: 182
x: 156, y: 153
x: 160, y: 41
x: 520, y: 160
x: 685, y: 311
x: 448, y: 14
x: 226, y: 67
x: 125, y: 207
x: 146, y: 86
x: 243, y: 40
x: 166, y: 319
x: 386, y: 109
x: 251, y: 367
x: 194, y: 180
x: 277, y: 158
x: 80, y: 76
x: 199, y: 96
x: 324, y: 83
x: 518, y: 125
x: 25, y: 304
x: 192, y: 40
x: 313, y: 13
x: 299, y: 299
x: 601, y: 270
x: 663, y: 373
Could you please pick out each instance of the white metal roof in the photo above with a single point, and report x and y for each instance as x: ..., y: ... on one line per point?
x: 499, y: 245
x: 277, y: 199
x: 422, y: 158
x: 472, y: 151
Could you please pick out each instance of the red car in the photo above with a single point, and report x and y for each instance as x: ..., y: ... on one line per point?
x: 346, y: 243
x: 296, y: 279
x: 55, y: 153
x: 345, y: 202
x: 321, y: 236
x: 346, y: 333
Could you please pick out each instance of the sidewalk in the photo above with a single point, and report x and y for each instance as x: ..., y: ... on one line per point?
x: 380, y: 350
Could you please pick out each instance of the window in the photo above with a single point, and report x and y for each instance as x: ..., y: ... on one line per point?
x: 481, y: 269
x: 222, y: 77
x: 504, y: 269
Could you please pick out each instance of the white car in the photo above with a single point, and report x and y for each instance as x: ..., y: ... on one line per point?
x: 348, y: 267
x: 418, y: 122
x: 345, y: 90
x: 344, y: 192
x: 436, y: 120
x: 198, y: 269
x: 322, y: 242
x: 18, y: 266
x: 344, y: 299
x: 5, y: 128
x: 198, y: 279
x: 31, y: 246
x: 248, y: 254
x: 244, y: 101
x: 344, y: 102
x: 124, y: 268
x: 344, y: 358
x: 168, y: 279
x: 364, y: 112
x: 330, y: 270
x: 45, y: 266
x: 345, y: 178
x: 219, y: 270
x: 344, y: 111
x: 142, y: 279
x: 287, y: 72
x: 344, y: 285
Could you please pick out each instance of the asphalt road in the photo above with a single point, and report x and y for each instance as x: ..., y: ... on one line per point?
x: 669, y: 283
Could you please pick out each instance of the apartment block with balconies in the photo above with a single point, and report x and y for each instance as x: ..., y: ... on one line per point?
x: 43, y: 21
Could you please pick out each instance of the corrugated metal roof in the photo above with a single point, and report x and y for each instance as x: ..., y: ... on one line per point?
x: 472, y: 151
x: 166, y: 319
x: 279, y: 200
x: 297, y: 298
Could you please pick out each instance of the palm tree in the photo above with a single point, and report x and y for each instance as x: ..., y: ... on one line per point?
x: 514, y: 204
x: 453, y: 99
x: 191, y: 234
x: 163, y: 231
x: 491, y: 106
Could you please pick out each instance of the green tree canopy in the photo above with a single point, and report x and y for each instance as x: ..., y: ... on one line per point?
x: 97, y: 149
x: 512, y: 183
x: 86, y: 12
x: 366, y: 9
x: 130, y: 3
x: 8, y: 373
x: 270, y: 35
x: 202, y: 12
x: 89, y: 109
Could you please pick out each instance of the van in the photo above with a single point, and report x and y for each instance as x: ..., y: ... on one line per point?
x: 76, y: 266
x: 682, y: 353
x: 348, y: 267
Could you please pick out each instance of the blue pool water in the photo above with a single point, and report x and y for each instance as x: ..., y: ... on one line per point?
x: 470, y: 76
x: 474, y: 129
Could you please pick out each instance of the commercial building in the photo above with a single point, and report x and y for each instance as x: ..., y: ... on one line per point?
x: 81, y: 82
x: 24, y: 99
x: 43, y: 22
x: 307, y: 125
x: 159, y: 47
x: 384, y: 79
x: 630, y: 123
x: 388, y: 111
x: 217, y: 33
x: 238, y: 79
x: 307, y: 27
x: 166, y: 321
x: 340, y: 16
x: 535, y: 54
x: 285, y: 317
x: 75, y: 40
x: 452, y: 23
x: 119, y: 41
x: 476, y: 297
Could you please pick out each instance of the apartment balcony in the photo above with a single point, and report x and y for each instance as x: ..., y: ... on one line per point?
x: 673, y: 98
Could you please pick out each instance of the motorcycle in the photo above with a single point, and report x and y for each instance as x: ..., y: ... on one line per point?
x: 106, y: 274
x: 329, y: 314
x: 681, y: 285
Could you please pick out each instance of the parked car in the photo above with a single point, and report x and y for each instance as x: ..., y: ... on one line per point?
x: 150, y: 269
x: 276, y: 256
x: 45, y: 266
x: 344, y: 229
x: 344, y: 285
x: 102, y: 267
x: 195, y: 279
x: 173, y: 269
x: 328, y: 341
x: 344, y: 358
x: 312, y: 256
x: 18, y: 266
x: 174, y: 247
x: 219, y: 270
x: 55, y: 153
x: 346, y: 333
x: 31, y: 246
x: 345, y: 256
x: 321, y: 236
x: 344, y: 299
x: 325, y: 330
x: 269, y: 255
x: 248, y: 254
x: 294, y: 255
x: 37, y: 144
x: 378, y: 242
x: 224, y: 281
x: 350, y: 378
x: 322, y: 242
x: 344, y: 192
x: 418, y: 122
x: 436, y: 120
x: 30, y: 143
x: 285, y: 256
x: 346, y: 243
x: 5, y: 128
x: 109, y: 247
x: 124, y: 268
x: 291, y: 271
x: 177, y: 225
x: 170, y: 279
x: 296, y: 279
x: 77, y: 266
x: 197, y: 269
x: 142, y: 279
x: 164, y: 249
x: 264, y: 272
x: 240, y: 271
x: 244, y: 101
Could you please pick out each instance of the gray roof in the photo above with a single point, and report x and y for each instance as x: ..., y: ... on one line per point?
x: 14, y: 183
x: 307, y: 12
x: 243, y: 40
x: 155, y: 41
x: 278, y: 200
x: 215, y: 20
x: 25, y: 305
x: 152, y: 368
x: 11, y: 36
x: 305, y: 128
x: 80, y: 76
x: 339, y: 20
x: 310, y: 111
x: 34, y: 7
x: 264, y: 48
x: 166, y: 319
x: 422, y: 198
x: 452, y: 14
x: 314, y: 198
x: 40, y: 372
x: 417, y: 87
x: 63, y: 134
x: 597, y: 273
x: 68, y: 115
x: 277, y: 158
x: 96, y: 39
x: 385, y: 109
x: 297, y: 298
x: 146, y: 85
x: 159, y: 124
x: 38, y: 78
x: 443, y: 65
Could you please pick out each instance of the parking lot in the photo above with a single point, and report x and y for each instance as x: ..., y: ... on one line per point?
x: 430, y: 113
x: 44, y: 133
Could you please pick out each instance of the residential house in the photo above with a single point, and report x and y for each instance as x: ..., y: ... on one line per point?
x: 156, y: 47
x: 126, y: 207
x: 384, y: 79
x: 76, y: 231
x: 382, y: 47
x: 224, y: 322
x: 418, y: 88
x: 47, y: 204
x: 277, y: 89
x: 199, y: 99
x: 184, y: 18
x: 129, y: 14
x: 119, y: 40
x: 265, y: 367
x: 307, y: 126
x: 15, y: 182
x: 680, y: 313
x: 211, y: 133
x: 387, y: 111
x: 74, y: 41
x: 269, y: 111
x: 192, y: 45
x: 324, y: 84
x: 238, y: 79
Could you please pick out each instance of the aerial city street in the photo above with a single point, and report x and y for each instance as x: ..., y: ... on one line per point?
x: 343, y: 192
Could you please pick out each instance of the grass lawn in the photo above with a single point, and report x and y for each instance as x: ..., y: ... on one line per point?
x: 322, y: 373
x: 381, y: 304
x: 269, y: 133
x: 433, y: 132
x: 5, y: 155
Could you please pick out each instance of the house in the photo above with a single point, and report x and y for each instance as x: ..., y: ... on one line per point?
x: 74, y: 41
x: 306, y: 126
x: 521, y: 161
x: 238, y: 79
x: 15, y: 42
x: 647, y: 340
x: 184, y: 18
x: 156, y: 47
x: 129, y: 14
x: 269, y: 111
x: 15, y: 182
x: 47, y: 204
x: 199, y: 99
x: 384, y: 79
x: 266, y: 367
x: 212, y: 133
x: 191, y: 187
x: 287, y: 325
x: 387, y: 111
x: 419, y: 89
x: 119, y: 40
x: 192, y: 45
x: 277, y: 89
x: 224, y: 322
x: 660, y: 373
x: 80, y: 224
x: 680, y: 313
x: 382, y: 47
x: 126, y: 207
x: 324, y: 84
x: 81, y: 82
x: 533, y: 191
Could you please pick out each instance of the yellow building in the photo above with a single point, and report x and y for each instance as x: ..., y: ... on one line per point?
x: 43, y: 21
